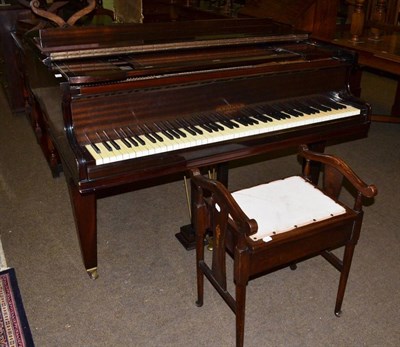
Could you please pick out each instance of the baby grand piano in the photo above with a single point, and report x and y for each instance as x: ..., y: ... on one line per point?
x: 127, y: 104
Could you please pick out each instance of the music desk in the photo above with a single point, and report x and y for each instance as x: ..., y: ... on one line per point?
x: 383, y: 55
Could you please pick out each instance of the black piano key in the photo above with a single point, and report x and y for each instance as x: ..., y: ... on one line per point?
x: 127, y: 138
x: 283, y: 109
x: 225, y: 121
x: 147, y: 134
x: 153, y: 134
x: 190, y: 131
x: 206, y: 128
x: 303, y: 106
x: 249, y: 120
x: 132, y: 141
x: 319, y: 106
x: 305, y: 110
x: 177, y: 129
x: 112, y: 142
x: 292, y: 111
x: 122, y: 138
x: 336, y: 105
x: 106, y: 145
x: 214, y: 122
x: 300, y: 109
x: 176, y: 134
x: 93, y: 145
x: 203, y: 124
x: 269, y: 112
x: 163, y: 131
x: 228, y: 122
x: 150, y: 137
x: 168, y: 135
x: 278, y: 109
x: 126, y: 142
x: 139, y: 139
x: 170, y: 130
x: 115, y: 145
x: 209, y: 123
x: 253, y: 120
x: 136, y: 137
x: 249, y: 112
x: 193, y: 126
x: 231, y: 122
x: 186, y: 127
x: 332, y: 105
x: 242, y: 120
x: 158, y: 137
x: 96, y: 149
x: 262, y: 118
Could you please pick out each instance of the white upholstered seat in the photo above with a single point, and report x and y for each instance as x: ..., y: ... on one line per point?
x: 285, y: 204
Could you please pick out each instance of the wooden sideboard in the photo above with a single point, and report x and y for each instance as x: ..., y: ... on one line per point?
x: 382, y: 55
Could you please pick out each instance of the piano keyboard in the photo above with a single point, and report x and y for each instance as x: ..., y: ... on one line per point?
x: 210, y: 128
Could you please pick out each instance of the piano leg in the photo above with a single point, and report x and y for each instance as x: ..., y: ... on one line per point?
x: 85, y: 207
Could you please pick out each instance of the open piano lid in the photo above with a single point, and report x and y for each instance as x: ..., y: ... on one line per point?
x: 80, y: 42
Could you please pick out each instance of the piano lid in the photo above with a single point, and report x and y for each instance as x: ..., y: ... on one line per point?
x: 80, y: 42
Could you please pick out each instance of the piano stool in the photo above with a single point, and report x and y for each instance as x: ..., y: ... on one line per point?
x: 275, y: 225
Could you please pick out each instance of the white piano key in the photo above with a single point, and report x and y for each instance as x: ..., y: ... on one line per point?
x: 96, y: 156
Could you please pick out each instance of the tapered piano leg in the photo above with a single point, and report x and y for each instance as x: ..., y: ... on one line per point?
x: 85, y: 207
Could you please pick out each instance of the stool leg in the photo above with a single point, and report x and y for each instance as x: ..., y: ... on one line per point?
x: 199, y: 271
x: 200, y: 287
x: 347, y: 258
x: 240, y: 313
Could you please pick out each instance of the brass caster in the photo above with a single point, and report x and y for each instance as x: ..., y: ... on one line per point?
x: 92, y: 273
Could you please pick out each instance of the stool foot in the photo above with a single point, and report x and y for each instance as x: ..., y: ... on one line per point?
x: 338, y: 313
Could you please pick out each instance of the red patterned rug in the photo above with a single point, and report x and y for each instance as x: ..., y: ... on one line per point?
x: 14, y: 328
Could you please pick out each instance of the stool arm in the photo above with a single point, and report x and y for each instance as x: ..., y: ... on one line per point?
x: 226, y: 203
x: 366, y: 190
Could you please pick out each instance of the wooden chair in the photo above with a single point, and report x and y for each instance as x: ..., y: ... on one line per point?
x: 274, y: 225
